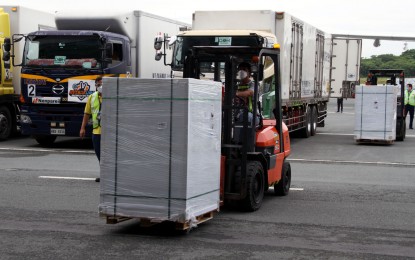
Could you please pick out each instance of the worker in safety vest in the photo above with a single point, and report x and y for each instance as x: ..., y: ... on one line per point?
x: 93, y: 107
x: 244, y: 96
x: 246, y: 85
x: 410, y: 104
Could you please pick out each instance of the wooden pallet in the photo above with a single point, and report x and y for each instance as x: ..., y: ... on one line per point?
x: 199, y: 219
x: 148, y: 222
x: 374, y: 141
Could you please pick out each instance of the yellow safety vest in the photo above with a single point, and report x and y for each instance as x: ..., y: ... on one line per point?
x: 406, y: 97
x: 411, y: 98
x: 249, y: 98
x: 96, y: 110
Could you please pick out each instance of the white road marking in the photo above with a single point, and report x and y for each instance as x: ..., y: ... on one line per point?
x: 297, y: 189
x: 45, y: 150
x: 93, y: 179
x: 67, y: 178
x: 291, y: 188
x: 351, y: 162
x: 407, y: 135
x: 334, y: 134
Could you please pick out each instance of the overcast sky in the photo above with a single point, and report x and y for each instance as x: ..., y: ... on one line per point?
x: 372, y: 17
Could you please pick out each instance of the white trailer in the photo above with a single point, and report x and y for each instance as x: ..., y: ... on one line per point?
x: 140, y: 27
x: 345, y: 63
x: 305, y: 58
x: 15, y: 20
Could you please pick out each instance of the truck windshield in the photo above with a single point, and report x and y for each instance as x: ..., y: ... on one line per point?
x: 185, y: 43
x: 64, y: 51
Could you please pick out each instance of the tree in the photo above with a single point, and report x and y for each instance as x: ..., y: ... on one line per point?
x: 405, y: 61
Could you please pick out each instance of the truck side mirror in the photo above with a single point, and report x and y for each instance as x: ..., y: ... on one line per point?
x: 158, y: 42
x: 6, y: 49
x: 6, y: 55
x: 7, y: 44
x: 158, y: 56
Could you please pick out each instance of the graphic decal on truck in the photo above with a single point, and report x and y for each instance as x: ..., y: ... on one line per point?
x: 79, y: 90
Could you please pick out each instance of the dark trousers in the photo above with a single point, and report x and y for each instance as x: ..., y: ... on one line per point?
x: 96, y: 141
x: 410, y: 109
x: 340, y: 104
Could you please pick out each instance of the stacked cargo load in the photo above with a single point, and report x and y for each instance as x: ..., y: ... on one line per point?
x: 375, y: 113
x: 160, y: 158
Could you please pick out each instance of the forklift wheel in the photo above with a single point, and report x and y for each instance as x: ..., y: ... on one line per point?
x: 254, y: 186
x: 283, y: 186
x: 400, y: 130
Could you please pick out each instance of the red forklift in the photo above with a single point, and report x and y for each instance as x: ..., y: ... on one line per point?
x: 257, y: 161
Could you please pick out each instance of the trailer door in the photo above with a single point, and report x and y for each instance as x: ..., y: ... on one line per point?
x: 345, y: 67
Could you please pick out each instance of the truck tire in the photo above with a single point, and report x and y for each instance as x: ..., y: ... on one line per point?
x: 314, y: 119
x: 282, y: 188
x: 255, y: 187
x: 6, y: 123
x: 306, y: 131
x: 45, y: 140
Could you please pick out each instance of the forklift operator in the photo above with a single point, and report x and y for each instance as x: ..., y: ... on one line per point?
x: 244, y: 96
x: 245, y: 89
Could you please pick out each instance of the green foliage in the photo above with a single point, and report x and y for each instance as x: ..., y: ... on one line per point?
x: 405, y: 61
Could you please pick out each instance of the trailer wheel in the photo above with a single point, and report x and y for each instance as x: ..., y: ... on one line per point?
x: 314, y: 119
x: 5, y: 123
x: 45, y: 140
x: 283, y: 186
x: 306, y: 131
x: 255, y: 187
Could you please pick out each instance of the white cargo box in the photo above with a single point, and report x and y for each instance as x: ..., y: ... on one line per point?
x: 375, y: 113
x: 160, y: 148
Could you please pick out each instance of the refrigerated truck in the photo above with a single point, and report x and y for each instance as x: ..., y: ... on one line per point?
x: 345, y: 66
x: 15, y: 20
x: 59, y: 67
x: 305, y: 59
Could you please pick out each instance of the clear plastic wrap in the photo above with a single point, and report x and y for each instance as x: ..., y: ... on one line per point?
x: 160, y: 148
x: 375, y: 112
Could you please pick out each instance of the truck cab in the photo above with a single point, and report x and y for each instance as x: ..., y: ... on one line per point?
x: 58, y: 74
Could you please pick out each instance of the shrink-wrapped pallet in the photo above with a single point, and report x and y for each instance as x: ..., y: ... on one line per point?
x: 160, y: 148
x: 375, y: 113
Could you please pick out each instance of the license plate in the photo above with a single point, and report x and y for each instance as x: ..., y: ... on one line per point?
x: 57, y: 131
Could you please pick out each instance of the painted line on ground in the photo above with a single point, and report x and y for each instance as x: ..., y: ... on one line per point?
x: 338, y: 134
x: 352, y: 162
x: 297, y: 189
x: 93, y: 179
x: 67, y: 178
x: 45, y: 150
x: 348, y: 113
x: 334, y: 134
